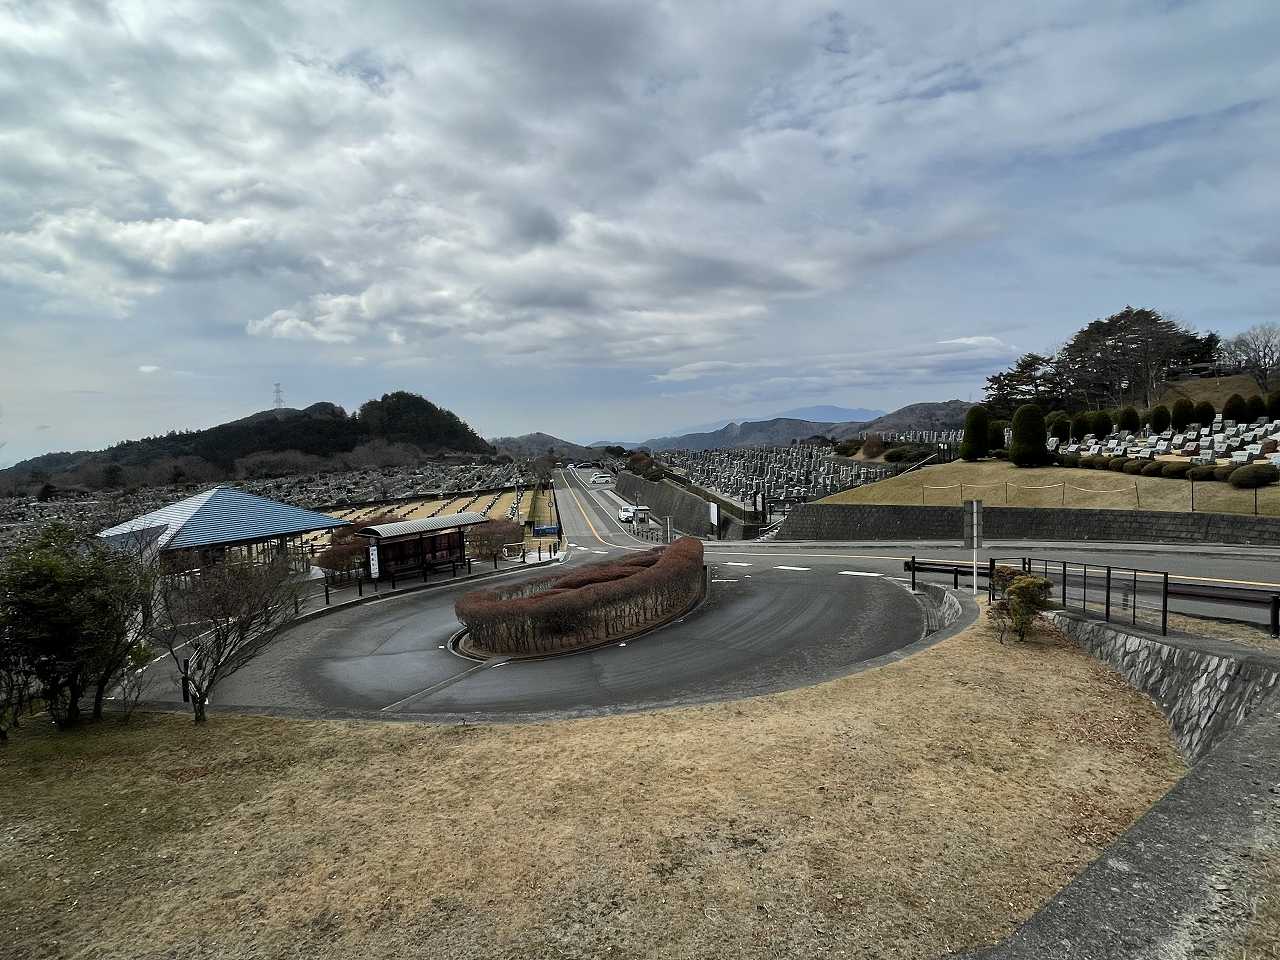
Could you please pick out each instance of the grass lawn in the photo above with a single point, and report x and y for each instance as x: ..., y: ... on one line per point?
x: 985, y: 480
x: 908, y: 811
x: 1214, y: 389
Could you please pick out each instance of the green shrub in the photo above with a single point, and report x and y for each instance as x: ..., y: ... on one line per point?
x: 1129, y: 420
x: 1118, y: 464
x: 1154, y: 468
x: 1223, y: 473
x: 1160, y: 418
x: 1001, y: 454
x: 1133, y: 467
x: 1257, y: 407
x: 1175, y: 469
x: 1059, y: 425
x: 1068, y: 459
x: 977, y: 425
x: 995, y: 434
x: 1205, y: 473
x: 1254, y: 475
x: 1081, y: 424
x: 1027, y: 448
x: 1024, y: 599
x: 1235, y: 409
x: 1205, y: 413
x: 1183, y: 412
x: 1102, y: 424
x: 1273, y: 405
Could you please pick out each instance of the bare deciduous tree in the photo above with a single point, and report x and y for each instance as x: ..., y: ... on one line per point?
x: 1257, y: 352
x: 219, y: 618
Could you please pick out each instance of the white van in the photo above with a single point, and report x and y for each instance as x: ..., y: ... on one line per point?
x: 626, y: 515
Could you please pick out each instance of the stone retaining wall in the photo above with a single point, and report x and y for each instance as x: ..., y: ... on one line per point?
x: 1205, y: 687
x: 688, y: 512
x: 865, y: 521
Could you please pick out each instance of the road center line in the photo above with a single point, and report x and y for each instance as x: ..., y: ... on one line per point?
x: 857, y: 573
x: 792, y: 568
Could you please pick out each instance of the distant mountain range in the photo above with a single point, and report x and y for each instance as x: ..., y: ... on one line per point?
x: 533, y: 445
x: 400, y: 427
x: 823, y: 413
x: 776, y: 431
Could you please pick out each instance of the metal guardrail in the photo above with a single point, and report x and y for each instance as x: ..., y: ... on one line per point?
x: 1116, y: 589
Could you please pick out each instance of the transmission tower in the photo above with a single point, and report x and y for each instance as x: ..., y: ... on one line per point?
x: 278, y: 402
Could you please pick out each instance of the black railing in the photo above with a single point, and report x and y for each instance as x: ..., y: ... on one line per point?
x: 1118, y: 592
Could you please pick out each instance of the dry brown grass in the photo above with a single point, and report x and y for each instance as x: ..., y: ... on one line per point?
x: 985, y: 480
x: 904, y: 812
x: 1214, y: 389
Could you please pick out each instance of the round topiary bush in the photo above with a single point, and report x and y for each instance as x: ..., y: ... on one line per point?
x: 1204, y: 413
x: 1273, y: 404
x: 1182, y: 414
x: 1118, y: 464
x: 1254, y: 475
x: 1160, y: 418
x: 977, y: 426
x: 1175, y: 469
x: 1153, y: 469
x: 1235, y: 409
x: 1257, y: 407
x: 1027, y: 448
x: 1001, y: 454
x: 1129, y: 420
x: 1068, y: 459
x: 1081, y: 424
x: 1133, y: 467
x: 995, y: 434
x: 1223, y: 473
x: 1102, y: 424
x: 1202, y: 473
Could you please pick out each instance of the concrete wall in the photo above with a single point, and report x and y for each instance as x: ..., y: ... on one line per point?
x: 688, y: 512
x: 857, y: 521
x: 1205, y: 687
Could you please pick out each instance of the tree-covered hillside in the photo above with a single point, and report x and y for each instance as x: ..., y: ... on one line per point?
x: 398, y: 425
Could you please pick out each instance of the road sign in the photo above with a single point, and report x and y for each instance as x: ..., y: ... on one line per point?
x: 972, y: 524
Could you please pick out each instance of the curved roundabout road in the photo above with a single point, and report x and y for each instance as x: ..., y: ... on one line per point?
x: 764, y: 626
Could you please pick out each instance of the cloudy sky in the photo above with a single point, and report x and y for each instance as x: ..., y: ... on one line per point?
x: 608, y: 220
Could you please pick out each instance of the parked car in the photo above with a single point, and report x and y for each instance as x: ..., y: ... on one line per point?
x: 601, y: 478
x: 626, y: 514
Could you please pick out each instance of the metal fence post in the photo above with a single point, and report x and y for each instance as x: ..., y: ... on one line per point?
x: 1084, y: 589
x: 955, y: 577
x: 1275, y: 615
x: 1107, y: 607
x: 991, y: 579
x: 1064, y: 584
x: 326, y: 592
x: 360, y: 585
x: 1164, y: 607
x: 1134, y: 603
x: 913, y: 574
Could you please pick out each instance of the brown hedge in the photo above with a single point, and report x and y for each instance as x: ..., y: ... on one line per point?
x: 590, y: 605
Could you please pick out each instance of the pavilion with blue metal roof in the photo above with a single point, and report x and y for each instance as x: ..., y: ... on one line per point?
x: 217, y: 519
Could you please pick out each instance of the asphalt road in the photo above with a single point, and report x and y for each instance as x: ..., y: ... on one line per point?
x: 777, y: 615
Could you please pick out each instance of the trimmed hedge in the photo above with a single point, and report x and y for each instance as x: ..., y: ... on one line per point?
x: 1236, y: 408
x: 592, y: 604
x: 1254, y: 475
x: 1175, y: 469
x: 1118, y: 464
x: 1068, y: 459
x: 1133, y: 467
x: 1205, y: 473
x: 1027, y: 446
x: 977, y: 425
x: 1153, y: 469
x: 1183, y: 413
x: 1204, y: 413
x: 1160, y: 418
x: 1224, y: 472
x: 1081, y: 424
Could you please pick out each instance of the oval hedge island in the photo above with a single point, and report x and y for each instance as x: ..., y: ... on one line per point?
x: 595, y: 604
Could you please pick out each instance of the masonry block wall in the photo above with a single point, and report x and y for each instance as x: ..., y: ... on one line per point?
x: 857, y: 521
x: 688, y: 512
x: 1205, y: 687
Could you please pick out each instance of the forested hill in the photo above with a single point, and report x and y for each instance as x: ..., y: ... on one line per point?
x: 401, y: 423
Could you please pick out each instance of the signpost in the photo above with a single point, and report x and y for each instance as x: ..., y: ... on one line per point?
x: 973, y: 534
x: 373, y: 561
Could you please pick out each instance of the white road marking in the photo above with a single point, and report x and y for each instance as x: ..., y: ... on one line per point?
x: 736, y: 563
x: 791, y: 568
x: 599, y: 551
x: 724, y: 581
x: 858, y: 573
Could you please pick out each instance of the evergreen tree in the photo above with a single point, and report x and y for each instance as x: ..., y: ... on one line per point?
x: 1027, y: 448
x: 1102, y: 424
x: 1160, y: 418
x: 1081, y: 426
x: 1204, y: 413
x: 1182, y: 414
x: 1235, y: 409
x: 977, y: 425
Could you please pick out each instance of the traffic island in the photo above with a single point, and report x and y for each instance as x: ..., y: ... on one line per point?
x: 593, y: 605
